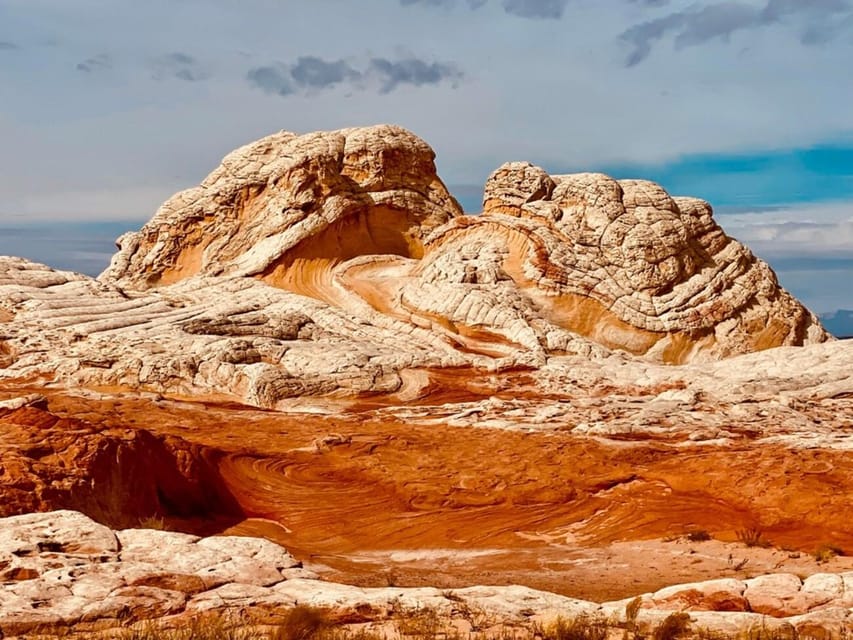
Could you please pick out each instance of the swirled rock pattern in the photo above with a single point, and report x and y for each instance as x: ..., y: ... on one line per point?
x: 337, y: 262
x: 625, y: 263
x: 288, y: 205
x: 496, y: 391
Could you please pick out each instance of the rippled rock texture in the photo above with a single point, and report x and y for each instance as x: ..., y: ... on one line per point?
x: 315, y: 346
x: 338, y: 262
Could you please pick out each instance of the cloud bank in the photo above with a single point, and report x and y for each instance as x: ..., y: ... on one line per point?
x: 535, y: 9
x: 817, y: 21
x: 311, y: 73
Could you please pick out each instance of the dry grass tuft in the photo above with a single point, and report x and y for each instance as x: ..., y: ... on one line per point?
x: 583, y: 627
x: 826, y: 552
x: 698, y: 535
x: 752, y: 537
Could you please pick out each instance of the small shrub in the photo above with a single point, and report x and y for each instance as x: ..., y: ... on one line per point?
x: 421, y: 623
x: 152, y: 522
x: 699, y: 535
x: 752, y: 537
x: 674, y: 626
x: 826, y: 552
x: 302, y: 623
x: 583, y: 627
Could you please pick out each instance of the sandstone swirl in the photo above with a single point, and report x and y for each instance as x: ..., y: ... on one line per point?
x: 555, y: 392
x: 339, y: 262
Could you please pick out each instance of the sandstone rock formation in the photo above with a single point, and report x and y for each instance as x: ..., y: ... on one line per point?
x: 500, y: 386
x: 633, y: 268
x: 118, y: 475
x: 338, y: 262
x: 64, y: 572
x: 287, y: 208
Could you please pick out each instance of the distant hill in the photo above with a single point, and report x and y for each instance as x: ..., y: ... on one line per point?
x: 839, y: 323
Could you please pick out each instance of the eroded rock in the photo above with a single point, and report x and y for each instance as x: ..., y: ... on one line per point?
x: 84, y: 578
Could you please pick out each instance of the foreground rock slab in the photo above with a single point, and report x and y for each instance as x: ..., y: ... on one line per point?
x: 61, y: 571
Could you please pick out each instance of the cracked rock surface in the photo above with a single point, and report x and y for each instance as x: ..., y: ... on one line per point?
x: 315, y: 350
x: 337, y: 262
x: 60, y: 570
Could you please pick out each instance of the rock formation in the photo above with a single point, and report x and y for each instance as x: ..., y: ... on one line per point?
x: 499, y: 385
x: 63, y: 571
x: 288, y: 208
x: 338, y: 262
x: 633, y: 268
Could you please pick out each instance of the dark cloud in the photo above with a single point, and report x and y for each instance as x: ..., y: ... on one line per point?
x: 474, y: 4
x: 312, y: 73
x: 778, y: 9
x: 818, y: 21
x: 179, y: 58
x: 316, y: 73
x: 413, y: 71
x: 181, y: 66
x: 818, y: 34
x: 273, y: 79
x: 643, y: 36
x: 99, y: 62
x: 541, y: 9
x: 7, y: 46
x: 716, y: 21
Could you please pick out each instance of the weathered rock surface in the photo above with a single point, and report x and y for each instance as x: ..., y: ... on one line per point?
x: 117, y: 475
x: 288, y: 207
x: 331, y: 277
x: 338, y: 263
x: 368, y: 493
x: 61, y: 571
x: 633, y: 268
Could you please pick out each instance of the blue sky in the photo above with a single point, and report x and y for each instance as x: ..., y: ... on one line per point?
x: 109, y: 106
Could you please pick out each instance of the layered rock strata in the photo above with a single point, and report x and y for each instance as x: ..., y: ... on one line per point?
x: 339, y: 263
x: 333, y: 278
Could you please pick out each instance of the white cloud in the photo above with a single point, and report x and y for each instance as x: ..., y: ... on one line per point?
x: 808, y: 230
x: 551, y: 91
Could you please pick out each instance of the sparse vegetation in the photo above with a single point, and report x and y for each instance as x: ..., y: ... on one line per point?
x: 826, y: 552
x: 303, y: 623
x: 308, y: 623
x: 199, y: 629
x: 674, y: 626
x: 153, y: 522
x: 698, y: 535
x: 752, y: 537
x: 420, y: 623
x: 583, y: 627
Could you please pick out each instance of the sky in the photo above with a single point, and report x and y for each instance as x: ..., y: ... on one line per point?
x: 107, y: 107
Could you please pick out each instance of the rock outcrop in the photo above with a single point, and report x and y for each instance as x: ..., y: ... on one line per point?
x: 61, y: 571
x: 338, y: 263
x: 120, y: 476
x: 633, y: 268
x: 287, y: 208
x: 498, y: 385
